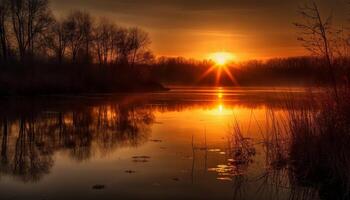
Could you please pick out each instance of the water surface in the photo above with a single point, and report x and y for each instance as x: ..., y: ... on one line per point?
x: 173, y: 145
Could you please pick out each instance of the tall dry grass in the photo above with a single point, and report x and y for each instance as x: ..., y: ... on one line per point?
x: 307, y: 147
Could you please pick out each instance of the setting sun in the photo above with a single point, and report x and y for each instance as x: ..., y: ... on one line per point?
x: 222, y: 58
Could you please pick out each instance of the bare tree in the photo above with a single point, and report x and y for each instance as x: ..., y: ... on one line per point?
x: 4, y: 46
x: 130, y: 44
x: 30, y: 19
x: 122, y: 46
x: 318, y: 36
x: 87, y: 29
x: 78, y: 27
x: 30, y: 25
x: 139, y: 41
x: 59, y: 40
x: 146, y: 57
x: 104, y: 36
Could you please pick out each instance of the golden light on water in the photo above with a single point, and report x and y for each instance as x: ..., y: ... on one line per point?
x: 221, y: 108
x: 220, y: 102
x: 220, y: 96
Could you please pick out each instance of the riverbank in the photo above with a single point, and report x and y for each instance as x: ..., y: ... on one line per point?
x: 73, y: 80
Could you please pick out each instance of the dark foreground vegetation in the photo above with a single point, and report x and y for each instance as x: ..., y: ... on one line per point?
x: 307, y: 149
x: 313, y: 146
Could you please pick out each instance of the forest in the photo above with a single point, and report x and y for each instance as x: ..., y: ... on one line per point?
x: 41, y: 54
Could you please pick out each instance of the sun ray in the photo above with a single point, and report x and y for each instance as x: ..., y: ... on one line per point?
x: 207, y: 72
x: 218, y: 76
x: 229, y: 74
x: 220, y: 65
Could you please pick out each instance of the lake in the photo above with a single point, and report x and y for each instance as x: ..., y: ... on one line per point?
x: 187, y: 143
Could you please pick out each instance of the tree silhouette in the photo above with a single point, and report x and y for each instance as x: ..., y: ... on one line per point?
x: 30, y: 19
x: 105, y: 37
x: 4, y: 46
x: 318, y: 36
x: 78, y: 28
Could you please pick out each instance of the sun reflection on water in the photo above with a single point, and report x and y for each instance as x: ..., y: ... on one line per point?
x: 220, y: 94
x: 219, y: 108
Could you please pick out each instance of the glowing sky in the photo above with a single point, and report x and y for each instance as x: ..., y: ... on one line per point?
x: 251, y: 29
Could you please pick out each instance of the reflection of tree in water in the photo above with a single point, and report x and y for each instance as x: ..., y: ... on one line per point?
x: 29, y: 143
x: 32, y: 159
x: 24, y: 154
x: 121, y: 126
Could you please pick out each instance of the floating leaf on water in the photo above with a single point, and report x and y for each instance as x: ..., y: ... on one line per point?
x: 214, y: 150
x: 224, y: 178
x: 175, y: 179
x: 145, y: 157
x: 157, y: 141
x: 98, y: 187
x: 141, y: 161
x: 156, y: 184
x: 187, y: 157
x: 221, y: 169
x: 222, y: 166
x: 226, y: 174
x: 212, y: 169
x: 141, y: 157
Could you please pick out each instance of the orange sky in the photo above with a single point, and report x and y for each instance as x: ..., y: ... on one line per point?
x: 250, y: 29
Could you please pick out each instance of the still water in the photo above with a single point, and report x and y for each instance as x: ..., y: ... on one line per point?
x: 172, y: 145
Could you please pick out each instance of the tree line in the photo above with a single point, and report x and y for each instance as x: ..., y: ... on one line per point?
x: 297, y: 71
x: 29, y: 32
